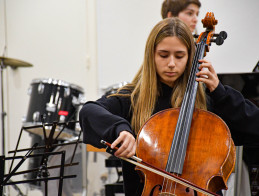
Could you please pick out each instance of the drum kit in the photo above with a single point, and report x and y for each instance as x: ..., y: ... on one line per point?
x: 52, y: 124
x: 52, y: 101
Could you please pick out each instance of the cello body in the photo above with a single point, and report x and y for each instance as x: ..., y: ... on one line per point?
x: 210, y: 154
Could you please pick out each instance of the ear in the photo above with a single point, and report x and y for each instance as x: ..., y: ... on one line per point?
x: 169, y: 14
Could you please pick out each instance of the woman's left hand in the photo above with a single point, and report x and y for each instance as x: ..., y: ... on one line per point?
x: 207, y: 76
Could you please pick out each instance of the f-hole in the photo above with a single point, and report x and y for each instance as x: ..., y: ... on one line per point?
x: 153, y: 189
x: 187, y: 190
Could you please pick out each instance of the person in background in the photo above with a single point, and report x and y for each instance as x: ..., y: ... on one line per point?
x: 186, y: 10
x: 160, y: 84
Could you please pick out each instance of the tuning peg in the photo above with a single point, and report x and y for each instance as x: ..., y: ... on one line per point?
x: 223, y: 34
x: 219, y: 40
x: 195, y: 35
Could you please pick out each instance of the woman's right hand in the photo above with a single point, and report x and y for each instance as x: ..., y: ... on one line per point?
x: 127, y: 146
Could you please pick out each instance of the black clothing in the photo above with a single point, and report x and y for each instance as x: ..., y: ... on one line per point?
x: 107, y: 117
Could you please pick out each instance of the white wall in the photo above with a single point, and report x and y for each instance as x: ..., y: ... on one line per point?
x: 59, y: 38
x: 240, y: 20
x: 123, y: 27
x: 52, y: 36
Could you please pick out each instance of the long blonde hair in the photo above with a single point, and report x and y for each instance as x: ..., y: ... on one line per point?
x: 145, y: 85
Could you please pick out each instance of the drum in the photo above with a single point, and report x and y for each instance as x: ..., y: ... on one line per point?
x: 51, y: 101
x: 113, y: 88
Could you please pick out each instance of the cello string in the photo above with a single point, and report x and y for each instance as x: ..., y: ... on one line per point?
x: 183, y: 113
x: 177, y: 139
x: 175, y: 144
x: 187, y: 124
x: 181, y: 154
x: 181, y: 118
x: 189, y: 112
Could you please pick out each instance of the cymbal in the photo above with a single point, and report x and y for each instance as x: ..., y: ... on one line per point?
x: 14, y: 63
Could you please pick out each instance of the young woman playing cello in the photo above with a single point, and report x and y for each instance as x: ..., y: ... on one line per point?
x: 160, y: 84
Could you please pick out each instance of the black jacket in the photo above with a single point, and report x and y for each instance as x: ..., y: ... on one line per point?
x: 107, y: 117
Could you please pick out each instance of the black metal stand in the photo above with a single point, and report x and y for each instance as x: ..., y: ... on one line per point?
x: 2, y: 166
x: 43, y: 169
x: 4, y: 181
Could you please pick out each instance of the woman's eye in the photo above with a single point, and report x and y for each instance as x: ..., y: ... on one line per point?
x: 189, y: 13
x: 163, y: 55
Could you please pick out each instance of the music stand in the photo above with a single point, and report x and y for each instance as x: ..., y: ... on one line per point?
x: 44, y: 167
x: 45, y: 179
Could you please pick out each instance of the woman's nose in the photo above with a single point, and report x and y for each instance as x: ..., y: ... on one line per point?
x: 195, y: 18
x: 171, y: 63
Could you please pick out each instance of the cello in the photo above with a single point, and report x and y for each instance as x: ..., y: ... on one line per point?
x: 187, y: 146
x: 190, y: 143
